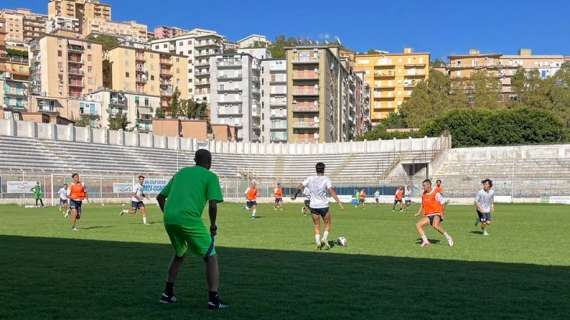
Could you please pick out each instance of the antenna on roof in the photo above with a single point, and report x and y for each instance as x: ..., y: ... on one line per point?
x: 338, y: 40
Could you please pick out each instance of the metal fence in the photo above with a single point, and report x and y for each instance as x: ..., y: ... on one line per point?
x: 117, y: 188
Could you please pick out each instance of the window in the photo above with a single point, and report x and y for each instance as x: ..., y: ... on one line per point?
x: 146, y: 103
x: 89, y: 57
x: 126, y: 74
x: 152, y: 77
x: 59, y: 53
x: 165, y: 46
x: 89, y: 69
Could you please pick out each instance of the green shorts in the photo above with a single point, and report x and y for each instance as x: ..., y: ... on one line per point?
x: 195, y: 236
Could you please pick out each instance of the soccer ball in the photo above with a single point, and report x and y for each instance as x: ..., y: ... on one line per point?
x: 342, y: 241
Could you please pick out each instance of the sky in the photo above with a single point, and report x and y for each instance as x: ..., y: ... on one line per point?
x: 442, y: 27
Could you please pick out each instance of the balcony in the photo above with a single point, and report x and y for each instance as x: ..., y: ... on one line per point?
x: 278, y: 115
x: 141, y: 80
x: 305, y: 92
x: 223, y: 89
x: 165, y: 61
x: 227, y: 112
x: 230, y: 99
x: 165, y: 84
x: 384, y: 74
x: 75, y: 48
x: 226, y: 64
x: 278, y: 80
x: 74, y: 58
x: 202, y: 73
x: 305, y: 108
x: 205, y: 43
x: 416, y: 74
x: 277, y: 102
x: 165, y: 73
x: 202, y: 83
x: 139, y: 57
x: 145, y: 117
x: 15, y: 93
x: 305, y: 75
x: 305, y: 125
x: 385, y: 86
x: 76, y: 84
x: 312, y: 59
x: 235, y: 76
x: 384, y: 95
x: 75, y: 72
x: 415, y: 65
x: 166, y: 93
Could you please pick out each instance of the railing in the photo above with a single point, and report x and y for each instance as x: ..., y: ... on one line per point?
x: 229, y: 64
x: 305, y: 59
x: 305, y: 108
x: 305, y: 125
x: 306, y: 92
x: 379, y: 74
x: 305, y: 75
x: 75, y: 72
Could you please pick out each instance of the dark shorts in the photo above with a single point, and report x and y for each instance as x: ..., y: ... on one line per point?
x: 278, y: 200
x: 408, y: 201
x: 361, y: 201
x: 73, y: 204
x: 137, y: 205
x: 320, y: 211
x: 432, y: 218
x: 484, y: 217
x: 308, y: 204
x: 250, y: 204
x: 63, y: 201
x: 397, y: 201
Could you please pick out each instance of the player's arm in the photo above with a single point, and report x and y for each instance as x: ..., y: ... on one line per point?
x: 213, y: 213
x: 299, y: 190
x: 333, y: 194
x: 420, y: 211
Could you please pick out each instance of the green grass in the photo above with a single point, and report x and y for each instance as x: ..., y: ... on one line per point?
x: 114, y: 267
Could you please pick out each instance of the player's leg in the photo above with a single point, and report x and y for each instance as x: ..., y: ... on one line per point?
x: 143, y: 212
x: 328, y: 226
x: 437, y: 226
x: 420, y: 225
x: 485, y: 224
x: 42, y: 202
x: 253, y: 210
x: 74, y: 214
x: 317, y: 228
x: 394, y: 205
x: 178, y: 241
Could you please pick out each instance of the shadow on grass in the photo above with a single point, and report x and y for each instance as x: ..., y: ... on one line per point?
x: 476, y: 232
x: 95, y: 227
x: 49, y: 278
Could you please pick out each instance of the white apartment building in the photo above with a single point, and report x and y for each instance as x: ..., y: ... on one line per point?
x: 235, y: 95
x: 198, y: 45
x: 274, y: 100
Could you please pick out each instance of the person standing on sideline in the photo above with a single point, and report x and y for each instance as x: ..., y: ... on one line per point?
x: 38, y: 194
x: 182, y: 201
x: 485, y: 205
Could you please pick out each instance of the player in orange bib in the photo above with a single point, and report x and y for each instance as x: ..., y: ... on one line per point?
x: 251, y: 198
x: 398, y: 199
x: 77, y: 192
x: 362, y: 199
x: 432, y: 213
x: 278, y: 193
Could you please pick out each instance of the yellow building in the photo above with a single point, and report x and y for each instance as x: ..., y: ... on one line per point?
x: 23, y: 25
x: 86, y: 11
x: 392, y: 77
x: 65, y: 67
x: 147, y: 72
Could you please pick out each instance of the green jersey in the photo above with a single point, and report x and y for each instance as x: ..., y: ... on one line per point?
x: 37, y: 191
x: 188, y: 192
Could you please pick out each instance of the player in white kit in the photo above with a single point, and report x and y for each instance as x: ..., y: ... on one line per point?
x: 137, y: 200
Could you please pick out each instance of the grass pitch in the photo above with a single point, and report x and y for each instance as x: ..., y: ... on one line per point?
x: 114, y: 267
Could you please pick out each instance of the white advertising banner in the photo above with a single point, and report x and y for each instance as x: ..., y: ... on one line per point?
x: 19, y: 186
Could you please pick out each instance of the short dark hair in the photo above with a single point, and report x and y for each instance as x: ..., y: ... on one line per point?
x: 438, y: 180
x: 427, y: 181
x: 487, y: 181
x: 320, y: 167
x: 203, y: 157
x: 75, y: 174
x: 141, y: 176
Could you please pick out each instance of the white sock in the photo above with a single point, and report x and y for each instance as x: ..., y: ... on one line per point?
x: 424, y: 238
x: 446, y: 235
x: 253, y: 213
x: 325, y: 236
x: 144, y: 220
x: 318, y: 239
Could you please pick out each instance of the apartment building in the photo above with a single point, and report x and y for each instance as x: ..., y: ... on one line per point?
x: 65, y: 67
x: 147, y: 72
x: 3, y: 53
x: 502, y: 67
x: 23, y: 25
x: 258, y: 53
x: 139, y: 108
x: 274, y: 100
x: 235, y: 98
x: 363, y: 121
x: 253, y: 41
x: 85, y: 11
x: 127, y: 31
x: 73, y: 109
x: 14, y: 83
x: 163, y: 32
x: 392, y: 77
x: 63, y: 24
x: 318, y: 97
x: 198, y: 45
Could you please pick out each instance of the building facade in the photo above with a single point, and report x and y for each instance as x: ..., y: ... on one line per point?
x: 148, y: 72
x: 198, y: 45
x: 235, y: 98
x: 391, y: 77
x: 23, y: 25
x: 14, y: 83
x: 502, y: 67
x: 85, y: 11
x: 319, y: 101
x: 253, y: 41
x: 64, y: 67
x: 162, y: 32
x: 274, y: 100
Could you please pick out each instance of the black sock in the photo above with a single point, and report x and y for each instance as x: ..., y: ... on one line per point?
x: 169, y: 288
x: 213, y: 296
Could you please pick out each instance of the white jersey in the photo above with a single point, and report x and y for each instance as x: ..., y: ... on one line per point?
x: 407, y: 193
x: 318, y: 186
x: 377, y: 194
x: 306, y: 194
x: 485, y: 200
x: 138, y: 191
x: 62, y: 193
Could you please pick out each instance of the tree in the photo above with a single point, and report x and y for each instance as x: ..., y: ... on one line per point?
x: 438, y: 63
x: 485, y: 90
x: 159, y: 113
x: 277, y: 48
x: 84, y: 121
x: 107, y: 41
x: 195, y: 110
x: 118, y: 121
x: 176, y: 109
